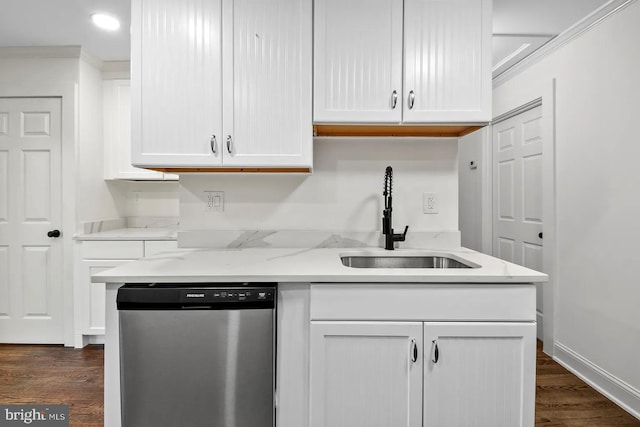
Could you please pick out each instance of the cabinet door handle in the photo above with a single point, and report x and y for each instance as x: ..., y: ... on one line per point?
x: 394, y: 99
x: 412, y: 99
x: 436, y: 353
x: 229, y: 142
x: 414, y: 351
x: 214, y: 144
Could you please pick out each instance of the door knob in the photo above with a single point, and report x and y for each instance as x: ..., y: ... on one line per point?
x: 54, y: 233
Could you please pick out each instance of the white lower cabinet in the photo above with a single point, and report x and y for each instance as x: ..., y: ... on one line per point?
x: 364, y: 374
x: 370, y: 374
x: 482, y: 375
x: 470, y: 370
x: 89, y: 298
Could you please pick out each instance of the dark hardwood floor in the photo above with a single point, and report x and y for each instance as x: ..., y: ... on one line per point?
x: 55, y: 375
x: 42, y: 374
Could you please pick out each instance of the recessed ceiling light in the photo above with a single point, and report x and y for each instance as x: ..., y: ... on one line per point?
x: 106, y: 22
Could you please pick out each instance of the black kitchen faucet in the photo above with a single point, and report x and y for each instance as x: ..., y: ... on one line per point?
x: 387, y: 227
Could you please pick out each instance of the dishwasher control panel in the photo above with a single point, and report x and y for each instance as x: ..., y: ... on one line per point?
x: 174, y: 296
x: 226, y: 295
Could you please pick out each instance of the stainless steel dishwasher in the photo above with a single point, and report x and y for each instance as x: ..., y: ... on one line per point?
x: 197, y: 355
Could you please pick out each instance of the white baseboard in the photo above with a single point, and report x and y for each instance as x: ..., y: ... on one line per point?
x: 619, y: 392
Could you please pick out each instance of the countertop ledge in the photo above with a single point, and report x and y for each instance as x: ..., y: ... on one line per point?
x: 131, y: 233
x: 314, y: 265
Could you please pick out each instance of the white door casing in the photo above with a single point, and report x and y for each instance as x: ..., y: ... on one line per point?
x: 517, y: 188
x: 31, y: 285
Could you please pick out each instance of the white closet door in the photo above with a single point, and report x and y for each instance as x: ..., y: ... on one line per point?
x: 31, y: 285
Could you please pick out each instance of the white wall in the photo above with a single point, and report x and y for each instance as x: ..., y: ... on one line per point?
x: 597, y: 320
x: 153, y: 198
x: 96, y: 200
x: 343, y: 193
x: 470, y: 188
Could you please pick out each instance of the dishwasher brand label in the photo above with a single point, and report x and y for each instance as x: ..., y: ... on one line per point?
x: 195, y: 295
x: 34, y: 415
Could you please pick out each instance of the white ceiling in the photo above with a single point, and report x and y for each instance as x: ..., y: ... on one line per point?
x: 66, y: 22
x: 522, y: 26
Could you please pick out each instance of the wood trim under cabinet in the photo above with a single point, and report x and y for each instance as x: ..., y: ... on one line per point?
x: 394, y: 130
x: 214, y: 170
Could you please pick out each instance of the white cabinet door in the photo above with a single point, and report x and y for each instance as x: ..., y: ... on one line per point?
x: 483, y: 374
x: 358, y: 61
x: 363, y: 374
x: 267, y: 83
x: 92, y: 296
x: 447, y: 65
x: 176, y: 83
x: 190, y: 112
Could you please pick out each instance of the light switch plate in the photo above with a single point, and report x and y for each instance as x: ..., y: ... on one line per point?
x: 214, y: 201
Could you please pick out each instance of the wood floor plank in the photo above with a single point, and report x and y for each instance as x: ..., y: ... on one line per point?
x: 42, y: 374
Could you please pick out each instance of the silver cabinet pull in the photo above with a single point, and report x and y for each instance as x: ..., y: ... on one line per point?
x: 394, y: 99
x: 436, y: 353
x: 214, y: 144
x: 414, y: 351
x: 412, y: 98
x: 229, y: 142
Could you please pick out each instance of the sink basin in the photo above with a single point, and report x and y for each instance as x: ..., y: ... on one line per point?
x: 378, y: 261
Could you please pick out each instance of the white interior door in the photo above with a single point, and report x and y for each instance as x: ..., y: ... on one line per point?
x: 31, y: 293
x: 517, y: 190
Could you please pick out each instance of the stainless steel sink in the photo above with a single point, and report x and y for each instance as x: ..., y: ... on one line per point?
x: 366, y: 261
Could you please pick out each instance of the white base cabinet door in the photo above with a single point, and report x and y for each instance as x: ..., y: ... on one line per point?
x: 366, y: 374
x: 479, y: 374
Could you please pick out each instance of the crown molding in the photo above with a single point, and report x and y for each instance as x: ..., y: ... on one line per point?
x: 563, y: 38
x: 116, y: 70
x: 41, y: 52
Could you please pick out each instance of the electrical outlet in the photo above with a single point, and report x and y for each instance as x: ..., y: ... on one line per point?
x: 430, y: 203
x: 214, y: 201
x: 137, y: 197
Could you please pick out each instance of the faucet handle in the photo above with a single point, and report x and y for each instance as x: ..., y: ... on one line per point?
x: 404, y: 234
x: 401, y: 237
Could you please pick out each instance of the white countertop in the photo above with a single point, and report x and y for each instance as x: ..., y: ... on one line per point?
x: 317, y: 265
x: 134, y: 233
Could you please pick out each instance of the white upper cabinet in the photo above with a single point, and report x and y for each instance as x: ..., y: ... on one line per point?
x: 267, y: 82
x: 395, y: 61
x: 447, y: 63
x: 176, y: 82
x: 358, y: 61
x: 221, y: 83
